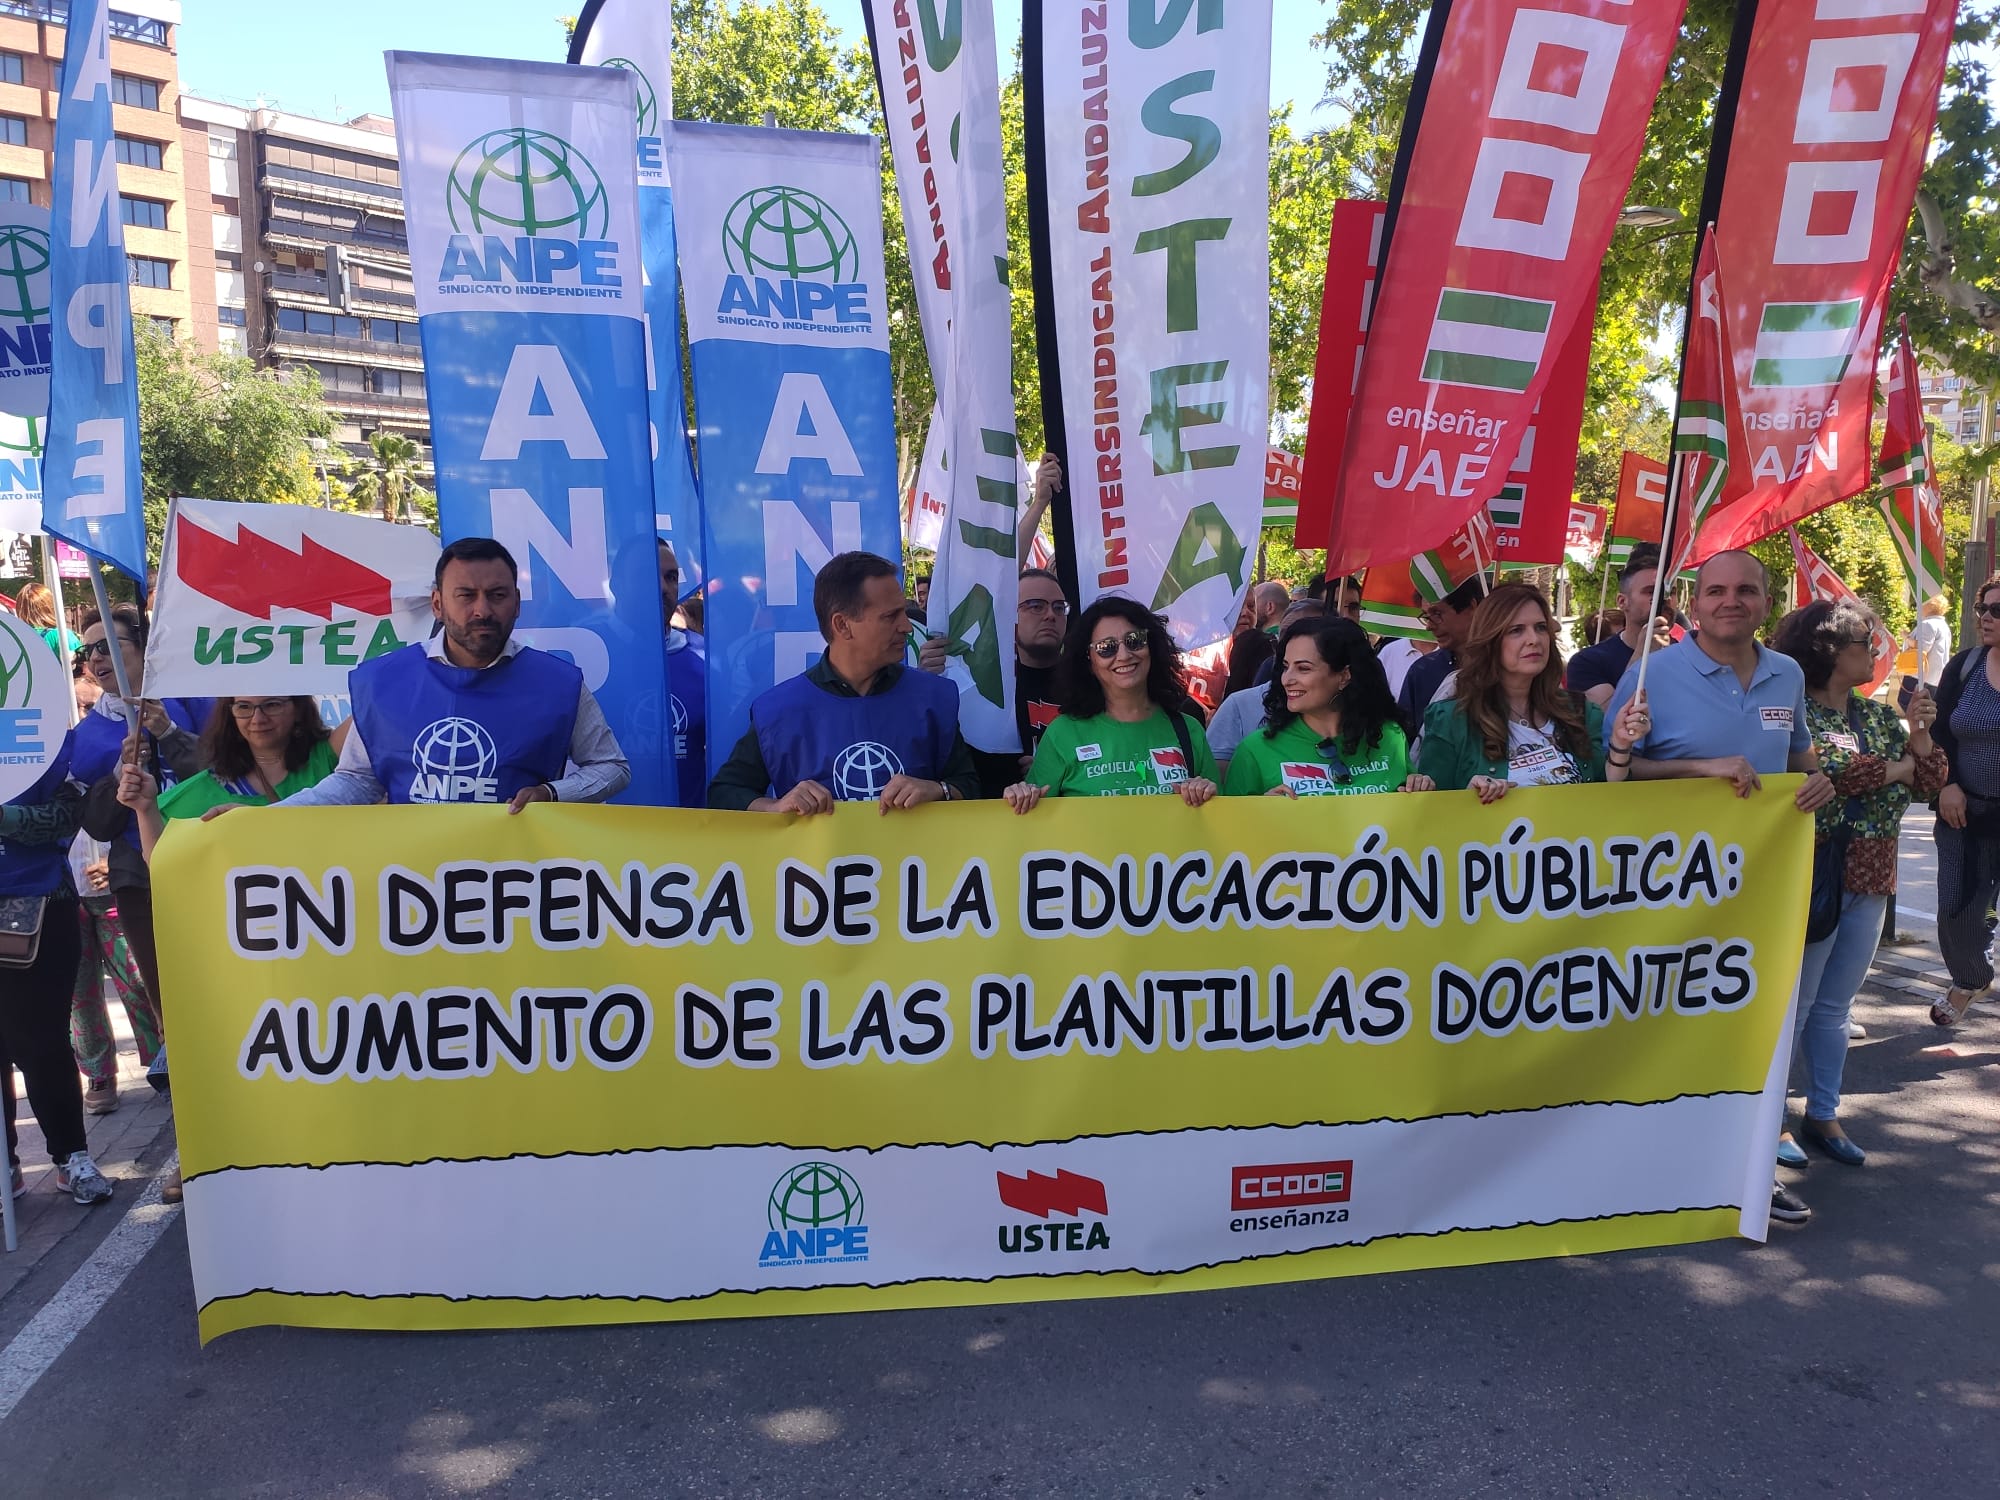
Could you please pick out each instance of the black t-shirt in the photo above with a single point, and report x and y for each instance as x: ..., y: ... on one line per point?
x: 1034, y: 710
x: 1598, y: 666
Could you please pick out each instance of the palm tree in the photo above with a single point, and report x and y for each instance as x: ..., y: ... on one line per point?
x: 387, y: 478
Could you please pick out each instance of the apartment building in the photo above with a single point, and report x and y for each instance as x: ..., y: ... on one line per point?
x: 300, y: 257
x: 145, y: 78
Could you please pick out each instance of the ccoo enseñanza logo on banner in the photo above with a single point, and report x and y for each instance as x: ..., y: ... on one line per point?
x: 529, y: 216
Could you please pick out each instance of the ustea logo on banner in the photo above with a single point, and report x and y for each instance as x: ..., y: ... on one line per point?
x: 529, y: 216
x: 793, y: 265
x: 815, y: 1218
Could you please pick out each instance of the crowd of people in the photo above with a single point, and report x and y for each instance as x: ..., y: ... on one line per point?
x: 1103, y: 707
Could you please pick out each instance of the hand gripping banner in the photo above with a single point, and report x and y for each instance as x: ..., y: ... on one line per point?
x: 638, y: 35
x: 741, y: 1065
x: 780, y: 237
x: 939, y: 73
x: 1831, y: 127
x: 91, y: 491
x: 1156, y: 125
x: 522, y: 197
x: 1512, y: 194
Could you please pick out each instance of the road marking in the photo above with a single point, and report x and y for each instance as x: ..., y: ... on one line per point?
x: 90, y: 1286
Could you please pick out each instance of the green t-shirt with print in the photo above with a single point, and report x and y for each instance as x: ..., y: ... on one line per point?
x: 196, y: 795
x: 1104, y: 757
x: 1291, y: 758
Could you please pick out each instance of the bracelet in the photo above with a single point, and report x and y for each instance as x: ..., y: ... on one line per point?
x: 944, y: 792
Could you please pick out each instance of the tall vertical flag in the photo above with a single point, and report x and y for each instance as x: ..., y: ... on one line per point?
x: 1583, y: 537
x: 939, y: 73
x: 1505, y: 215
x: 1346, y: 301
x: 1640, y: 511
x: 1911, y: 504
x: 1155, y: 137
x: 1818, y: 581
x: 1705, y: 421
x: 91, y: 492
x: 781, y: 264
x: 638, y: 36
x: 1828, y: 140
x: 522, y: 199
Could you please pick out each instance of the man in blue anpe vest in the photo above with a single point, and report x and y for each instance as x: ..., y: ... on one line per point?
x: 855, y: 726
x: 472, y: 715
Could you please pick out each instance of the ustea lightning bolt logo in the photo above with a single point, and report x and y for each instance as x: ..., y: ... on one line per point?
x: 1068, y: 1195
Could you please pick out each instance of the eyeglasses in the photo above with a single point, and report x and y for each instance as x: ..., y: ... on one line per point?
x: 1132, y: 640
x: 1859, y: 640
x: 1329, y: 751
x: 1989, y: 611
x: 1437, y: 612
x: 1056, y: 607
x: 249, y: 708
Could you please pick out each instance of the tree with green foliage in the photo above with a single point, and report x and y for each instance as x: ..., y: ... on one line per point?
x: 386, y: 480
x: 221, y: 427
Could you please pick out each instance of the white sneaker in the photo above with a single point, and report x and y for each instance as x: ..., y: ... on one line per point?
x: 1856, y: 1032
x: 80, y: 1178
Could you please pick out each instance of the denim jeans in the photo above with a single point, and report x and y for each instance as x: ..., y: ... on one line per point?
x: 1829, y: 974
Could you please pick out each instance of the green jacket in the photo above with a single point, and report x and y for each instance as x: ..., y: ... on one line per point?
x: 1451, y: 754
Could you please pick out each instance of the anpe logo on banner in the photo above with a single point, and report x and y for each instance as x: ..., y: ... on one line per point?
x: 815, y: 1218
x: 25, y: 334
x: 792, y: 264
x: 20, y: 721
x: 529, y: 212
x: 456, y: 760
x: 1067, y: 1195
x: 649, y: 101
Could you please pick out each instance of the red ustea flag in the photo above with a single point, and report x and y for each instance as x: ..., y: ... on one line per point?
x: 1513, y: 191
x: 1831, y: 126
x: 1821, y: 582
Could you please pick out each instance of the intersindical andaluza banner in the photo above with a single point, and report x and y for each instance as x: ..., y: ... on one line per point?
x: 452, y: 1069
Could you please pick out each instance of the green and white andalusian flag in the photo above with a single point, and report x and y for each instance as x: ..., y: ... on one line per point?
x: 1805, y: 344
x: 1486, y: 340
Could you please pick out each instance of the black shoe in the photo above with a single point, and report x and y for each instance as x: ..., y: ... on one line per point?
x: 1787, y: 1207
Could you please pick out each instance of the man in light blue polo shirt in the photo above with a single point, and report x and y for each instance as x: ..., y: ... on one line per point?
x: 1719, y: 704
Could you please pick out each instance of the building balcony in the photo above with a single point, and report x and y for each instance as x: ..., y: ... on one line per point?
x: 323, y: 187
x: 367, y: 403
x: 352, y: 351
x: 282, y: 230
x: 363, y: 296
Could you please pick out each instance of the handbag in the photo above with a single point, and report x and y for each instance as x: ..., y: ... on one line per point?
x: 1829, y: 871
x: 21, y: 930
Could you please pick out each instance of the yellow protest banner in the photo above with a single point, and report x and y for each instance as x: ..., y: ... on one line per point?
x: 442, y: 1068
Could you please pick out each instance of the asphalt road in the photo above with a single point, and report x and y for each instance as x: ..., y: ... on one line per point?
x: 1857, y: 1356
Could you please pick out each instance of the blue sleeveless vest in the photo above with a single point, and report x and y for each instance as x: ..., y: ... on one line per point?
x: 39, y: 869
x: 99, y: 740
x: 852, y: 746
x: 439, y: 733
x: 687, y: 684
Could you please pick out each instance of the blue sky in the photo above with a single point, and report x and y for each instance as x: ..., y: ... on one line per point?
x: 326, y: 59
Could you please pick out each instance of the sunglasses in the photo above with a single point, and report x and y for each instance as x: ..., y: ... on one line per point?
x: 1988, y: 611
x: 249, y: 708
x: 1132, y: 640
x: 1329, y: 751
x: 103, y: 648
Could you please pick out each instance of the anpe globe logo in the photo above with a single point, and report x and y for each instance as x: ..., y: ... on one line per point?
x: 788, y: 232
x: 529, y: 182
x: 680, y: 724
x: 649, y: 101
x: 24, y: 272
x: 815, y: 1217
x: 34, y: 705
x: 861, y: 772
x: 455, y: 761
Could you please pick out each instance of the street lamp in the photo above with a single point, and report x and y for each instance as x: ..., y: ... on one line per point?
x: 1647, y: 216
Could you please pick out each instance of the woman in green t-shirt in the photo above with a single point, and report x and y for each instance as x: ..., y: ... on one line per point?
x: 258, y: 751
x: 1330, y: 723
x: 1125, y: 728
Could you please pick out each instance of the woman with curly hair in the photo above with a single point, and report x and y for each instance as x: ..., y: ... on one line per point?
x: 1876, y: 766
x: 1127, y: 726
x: 1511, y: 721
x: 1331, y: 727
x: 258, y: 750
